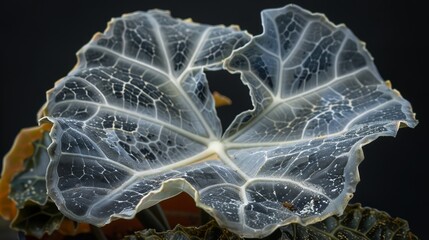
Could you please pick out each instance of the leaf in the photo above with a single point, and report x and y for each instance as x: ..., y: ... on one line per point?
x: 36, y: 220
x: 135, y: 112
x: 318, y: 99
x: 356, y: 223
x: 23, y: 179
x: 221, y: 100
x: 210, y: 230
x: 13, y: 163
x: 135, y: 123
x: 30, y: 184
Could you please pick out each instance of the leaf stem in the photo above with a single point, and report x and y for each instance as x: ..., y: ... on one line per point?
x: 159, y: 213
x: 149, y: 220
x: 98, y: 234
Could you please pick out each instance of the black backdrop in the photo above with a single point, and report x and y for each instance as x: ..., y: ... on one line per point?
x: 39, y: 40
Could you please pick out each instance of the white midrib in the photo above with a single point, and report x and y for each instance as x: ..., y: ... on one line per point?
x: 214, y: 148
x: 177, y: 81
x: 212, y: 142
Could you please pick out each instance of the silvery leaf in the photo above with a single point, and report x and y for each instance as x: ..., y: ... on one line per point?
x: 318, y: 99
x: 134, y: 122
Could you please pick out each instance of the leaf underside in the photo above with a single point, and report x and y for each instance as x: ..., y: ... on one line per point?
x: 135, y: 123
x: 356, y: 223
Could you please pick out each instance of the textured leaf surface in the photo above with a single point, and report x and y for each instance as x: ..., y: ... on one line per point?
x: 135, y: 113
x: 134, y: 122
x: 210, y: 230
x: 30, y: 184
x: 14, y: 163
x: 36, y: 220
x: 27, y: 205
x: 356, y: 223
x: 318, y: 98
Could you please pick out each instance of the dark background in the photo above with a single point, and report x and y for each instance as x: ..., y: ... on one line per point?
x: 39, y: 40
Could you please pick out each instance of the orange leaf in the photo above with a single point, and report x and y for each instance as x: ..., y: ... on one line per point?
x: 221, y: 100
x: 13, y: 163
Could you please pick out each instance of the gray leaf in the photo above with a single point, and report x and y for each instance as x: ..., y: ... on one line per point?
x: 135, y: 116
x: 30, y: 184
x: 318, y: 98
x: 134, y: 122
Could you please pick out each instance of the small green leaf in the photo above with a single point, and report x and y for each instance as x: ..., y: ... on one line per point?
x: 357, y: 223
x: 36, y: 220
x: 30, y: 184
